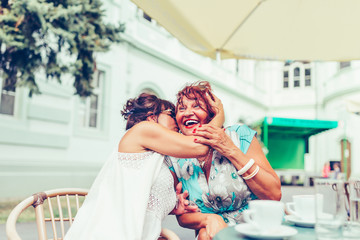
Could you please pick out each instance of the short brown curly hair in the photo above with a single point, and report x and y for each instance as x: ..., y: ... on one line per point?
x: 198, y: 91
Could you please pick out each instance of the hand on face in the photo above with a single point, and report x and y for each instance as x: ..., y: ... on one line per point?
x: 215, y: 103
x: 215, y: 137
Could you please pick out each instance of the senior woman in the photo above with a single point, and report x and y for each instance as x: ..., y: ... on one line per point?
x: 234, y: 172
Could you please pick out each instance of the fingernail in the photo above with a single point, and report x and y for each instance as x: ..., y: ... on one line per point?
x: 224, y: 129
x: 195, y: 139
x: 194, y: 130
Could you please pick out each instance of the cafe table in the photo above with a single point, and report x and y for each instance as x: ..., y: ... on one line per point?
x: 230, y: 233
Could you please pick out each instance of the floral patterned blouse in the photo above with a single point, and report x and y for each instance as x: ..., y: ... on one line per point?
x: 225, y: 193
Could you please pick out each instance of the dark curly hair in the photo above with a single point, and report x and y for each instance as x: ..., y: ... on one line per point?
x: 138, y: 109
x: 198, y: 91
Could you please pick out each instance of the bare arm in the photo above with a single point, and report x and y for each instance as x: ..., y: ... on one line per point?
x: 213, y: 223
x: 148, y: 135
x: 266, y: 184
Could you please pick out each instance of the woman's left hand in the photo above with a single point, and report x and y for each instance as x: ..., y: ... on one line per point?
x: 216, y: 138
x: 183, y: 205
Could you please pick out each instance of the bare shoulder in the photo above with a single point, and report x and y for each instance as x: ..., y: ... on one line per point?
x: 132, y: 140
x: 146, y: 128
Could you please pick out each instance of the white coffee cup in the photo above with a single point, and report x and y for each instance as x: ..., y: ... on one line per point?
x: 264, y: 214
x: 303, y: 207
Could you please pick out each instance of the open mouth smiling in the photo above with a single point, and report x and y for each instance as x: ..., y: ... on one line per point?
x: 190, y: 123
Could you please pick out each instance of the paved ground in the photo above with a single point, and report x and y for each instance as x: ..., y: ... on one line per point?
x: 28, y: 230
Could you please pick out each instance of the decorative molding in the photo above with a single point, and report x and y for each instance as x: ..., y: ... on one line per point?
x: 340, y: 93
x: 27, y: 138
x: 49, y: 114
x: 55, y: 89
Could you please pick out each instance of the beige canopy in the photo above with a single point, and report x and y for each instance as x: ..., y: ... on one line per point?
x: 310, y: 30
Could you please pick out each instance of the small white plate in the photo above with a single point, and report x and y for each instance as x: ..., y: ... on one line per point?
x: 299, y: 222
x: 250, y: 230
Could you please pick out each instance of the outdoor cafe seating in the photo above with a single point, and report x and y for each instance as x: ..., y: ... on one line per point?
x: 55, y: 211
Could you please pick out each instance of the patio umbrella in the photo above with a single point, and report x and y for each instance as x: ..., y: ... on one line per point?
x: 309, y: 30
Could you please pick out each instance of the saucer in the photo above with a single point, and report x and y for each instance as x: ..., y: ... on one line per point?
x: 299, y: 222
x: 250, y: 230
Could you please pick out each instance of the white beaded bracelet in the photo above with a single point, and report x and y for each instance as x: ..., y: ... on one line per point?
x: 251, y: 175
x: 246, y: 168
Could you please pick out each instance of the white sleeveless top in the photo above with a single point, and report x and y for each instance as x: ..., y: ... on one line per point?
x: 128, y: 200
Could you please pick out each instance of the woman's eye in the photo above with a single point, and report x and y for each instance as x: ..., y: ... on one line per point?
x: 196, y: 106
x: 181, y: 108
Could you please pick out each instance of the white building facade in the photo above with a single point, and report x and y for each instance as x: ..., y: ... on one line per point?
x: 57, y: 139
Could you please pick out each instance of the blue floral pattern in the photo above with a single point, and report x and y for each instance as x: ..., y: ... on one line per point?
x: 225, y: 193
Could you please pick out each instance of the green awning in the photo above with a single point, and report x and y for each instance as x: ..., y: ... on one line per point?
x: 287, y: 139
x: 297, y: 127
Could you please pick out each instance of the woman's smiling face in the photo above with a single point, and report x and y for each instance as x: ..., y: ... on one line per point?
x: 190, y: 115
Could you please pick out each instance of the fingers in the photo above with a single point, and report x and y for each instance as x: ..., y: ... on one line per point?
x: 209, y: 232
x: 185, y: 194
x: 208, y: 128
x: 216, y: 102
x: 211, y: 97
x: 178, y: 188
x: 203, y: 141
x: 205, y: 129
x: 209, y: 132
x: 203, y: 134
x: 191, y: 209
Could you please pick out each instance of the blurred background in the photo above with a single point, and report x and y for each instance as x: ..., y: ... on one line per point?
x: 306, y: 112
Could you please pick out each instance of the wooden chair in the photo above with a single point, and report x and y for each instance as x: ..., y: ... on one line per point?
x: 61, y: 207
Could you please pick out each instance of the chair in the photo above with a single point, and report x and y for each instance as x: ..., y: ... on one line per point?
x: 67, y: 203
x: 67, y: 197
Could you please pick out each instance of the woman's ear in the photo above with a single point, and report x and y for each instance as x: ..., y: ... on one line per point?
x: 152, y: 118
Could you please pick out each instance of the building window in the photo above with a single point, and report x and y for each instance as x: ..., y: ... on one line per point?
x: 91, y: 107
x: 344, y: 65
x: 7, y: 100
x: 297, y: 77
x: 286, y: 79
x: 296, y: 74
x: 307, y: 77
x: 286, y: 75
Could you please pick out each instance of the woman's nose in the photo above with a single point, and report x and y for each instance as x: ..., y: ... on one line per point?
x: 188, y: 112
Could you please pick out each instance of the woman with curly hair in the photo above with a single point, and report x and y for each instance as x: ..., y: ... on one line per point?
x: 233, y: 172
x: 134, y: 190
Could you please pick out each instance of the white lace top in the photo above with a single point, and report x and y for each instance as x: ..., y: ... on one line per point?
x: 162, y: 195
x: 128, y: 200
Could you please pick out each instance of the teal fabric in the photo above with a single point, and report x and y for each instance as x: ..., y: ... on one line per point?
x: 225, y: 193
